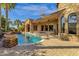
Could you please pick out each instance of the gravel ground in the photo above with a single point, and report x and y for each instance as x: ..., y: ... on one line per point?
x: 39, y: 52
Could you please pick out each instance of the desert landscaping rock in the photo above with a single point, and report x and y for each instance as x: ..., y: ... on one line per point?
x: 10, y: 41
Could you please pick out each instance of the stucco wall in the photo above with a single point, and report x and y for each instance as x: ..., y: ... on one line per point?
x: 54, y: 23
x: 69, y: 9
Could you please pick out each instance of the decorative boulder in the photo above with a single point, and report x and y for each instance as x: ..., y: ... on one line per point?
x: 10, y: 42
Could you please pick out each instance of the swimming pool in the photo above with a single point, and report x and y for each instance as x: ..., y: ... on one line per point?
x: 30, y: 39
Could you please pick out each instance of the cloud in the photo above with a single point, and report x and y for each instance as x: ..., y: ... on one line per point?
x: 34, y: 7
x: 30, y: 11
x: 34, y: 10
x: 37, y: 8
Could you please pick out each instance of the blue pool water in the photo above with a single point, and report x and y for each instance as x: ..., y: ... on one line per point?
x: 29, y: 39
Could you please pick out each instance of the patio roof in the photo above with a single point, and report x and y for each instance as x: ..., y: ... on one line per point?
x: 52, y: 17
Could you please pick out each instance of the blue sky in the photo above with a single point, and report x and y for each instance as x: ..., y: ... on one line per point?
x: 23, y: 11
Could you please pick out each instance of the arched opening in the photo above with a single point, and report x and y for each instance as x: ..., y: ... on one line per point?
x: 62, y: 24
x: 72, y: 20
x: 28, y: 27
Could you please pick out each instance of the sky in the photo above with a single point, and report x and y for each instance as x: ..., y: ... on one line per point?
x: 23, y: 11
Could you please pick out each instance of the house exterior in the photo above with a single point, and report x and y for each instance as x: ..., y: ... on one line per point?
x: 64, y: 21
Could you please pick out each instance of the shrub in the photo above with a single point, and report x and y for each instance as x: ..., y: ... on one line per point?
x: 64, y: 37
x: 77, y: 37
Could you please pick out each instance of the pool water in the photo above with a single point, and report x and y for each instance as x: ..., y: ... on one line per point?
x: 30, y: 39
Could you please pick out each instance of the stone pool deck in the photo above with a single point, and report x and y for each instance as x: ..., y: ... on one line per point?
x: 49, y: 47
x: 57, y: 42
x: 56, y: 47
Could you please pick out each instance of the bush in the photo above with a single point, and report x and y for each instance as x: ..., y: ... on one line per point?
x: 77, y: 37
x: 21, y: 27
x: 64, y: 37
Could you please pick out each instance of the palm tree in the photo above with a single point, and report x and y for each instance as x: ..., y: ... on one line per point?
x: 0, y: 14
x: 7, y: 6
x: 6, y: 24
x: 17, y: 22
x: 57, y: 5
x: 3, y: 21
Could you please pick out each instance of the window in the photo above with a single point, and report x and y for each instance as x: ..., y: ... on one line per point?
x: 35, y: 27
x: 46, y: 27
x: 42, y: 27
x: 50, y: 27
x: 72, y: 23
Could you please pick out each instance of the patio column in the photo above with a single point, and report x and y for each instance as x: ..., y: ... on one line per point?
x: 77, y: 25
x: 48, y: 26
x: 38, y: 28
x: 43, y: 28
x: 25, y: 31
x: 25, y: 28
x: 59, y: 26
x: 31, y: 27
x: 0, y: 15
x: 66, y: 24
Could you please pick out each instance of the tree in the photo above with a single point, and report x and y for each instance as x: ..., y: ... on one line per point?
x: 0, y: 14
x: 21, y: 27
x: 3, y: 21
x: 17, y: 22
x: 57, y: 4
x: 7, y: 6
